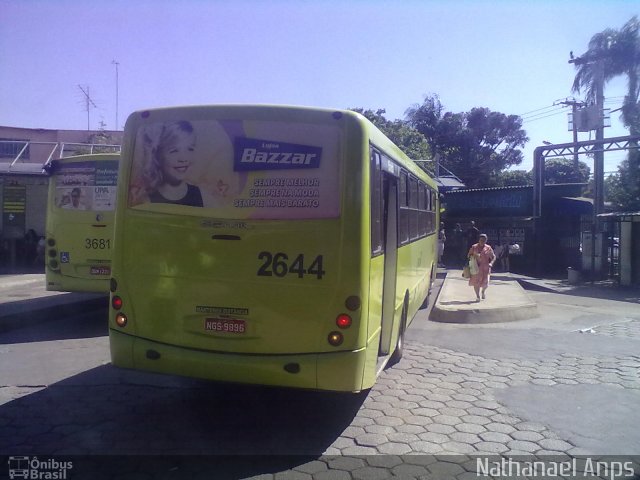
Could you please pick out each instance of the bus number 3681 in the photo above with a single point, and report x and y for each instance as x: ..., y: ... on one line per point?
x: 97, y: 243
x: 278, y: 265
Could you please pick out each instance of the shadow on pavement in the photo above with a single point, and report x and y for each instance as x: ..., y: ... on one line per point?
x: 62, y: 323
x: 605, y: 290
x: 108, y: 411
x: 503, y: 278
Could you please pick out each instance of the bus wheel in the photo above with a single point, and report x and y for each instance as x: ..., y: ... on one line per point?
x: 397, y: 353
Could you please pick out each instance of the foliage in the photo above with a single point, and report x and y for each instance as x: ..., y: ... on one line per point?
x: 555, y: 171
x: 410, y: 141
x: 513, y: 178
x: 562, y: 170
x: 475, y: 145
x: 623, y: 188
x: 613, y: 53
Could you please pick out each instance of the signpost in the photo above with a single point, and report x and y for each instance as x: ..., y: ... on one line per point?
x: 14, y: 202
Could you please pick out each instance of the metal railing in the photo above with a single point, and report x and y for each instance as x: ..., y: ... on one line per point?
x: 440, y: 171
x: 49, y: 149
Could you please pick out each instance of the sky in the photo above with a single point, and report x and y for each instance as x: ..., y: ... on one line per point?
x: 508, y: 56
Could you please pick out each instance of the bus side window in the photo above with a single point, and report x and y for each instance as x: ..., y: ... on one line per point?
x: 376, y: 204
x: 403, y: 204
x: 432, y: 215
x: 427, y: 213
x: 413, y: 205
x: 422, y: 213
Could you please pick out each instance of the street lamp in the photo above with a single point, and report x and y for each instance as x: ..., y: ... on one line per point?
x: 113, y: 62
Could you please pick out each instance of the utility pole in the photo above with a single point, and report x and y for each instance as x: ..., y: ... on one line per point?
x: 117, y: 64
x: 598, y: 158
x: 88, y: 104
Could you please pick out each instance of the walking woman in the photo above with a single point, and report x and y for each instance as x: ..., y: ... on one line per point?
x: 484, y: 257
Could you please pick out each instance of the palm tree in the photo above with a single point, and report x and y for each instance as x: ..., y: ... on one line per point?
x: 613, y: 53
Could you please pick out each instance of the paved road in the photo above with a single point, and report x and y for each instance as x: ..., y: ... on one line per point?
x: 531, y: 387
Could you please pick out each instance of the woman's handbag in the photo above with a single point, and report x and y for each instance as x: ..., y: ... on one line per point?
x: 465, y: 272
x: 473, y: 266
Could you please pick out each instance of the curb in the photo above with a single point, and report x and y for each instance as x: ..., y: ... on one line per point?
x: 451, y: 307
x: 511, y: 313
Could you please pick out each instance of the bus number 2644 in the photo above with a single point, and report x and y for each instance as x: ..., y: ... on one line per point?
x: 278, y: 264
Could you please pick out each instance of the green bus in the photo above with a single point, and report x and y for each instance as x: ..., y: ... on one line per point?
x: 79, y: 225
x: 270, y: 245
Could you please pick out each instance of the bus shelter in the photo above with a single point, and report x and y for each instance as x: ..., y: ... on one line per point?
x: 505, y: 215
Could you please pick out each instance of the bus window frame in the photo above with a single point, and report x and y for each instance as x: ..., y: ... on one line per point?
x: 376, y: 213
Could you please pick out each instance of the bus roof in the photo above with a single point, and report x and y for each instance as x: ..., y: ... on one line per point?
x: 55, y: 164
x: 380, y: 140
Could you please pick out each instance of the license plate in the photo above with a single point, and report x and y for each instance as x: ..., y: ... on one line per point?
x: 100, y: 270
x: 225, y: 325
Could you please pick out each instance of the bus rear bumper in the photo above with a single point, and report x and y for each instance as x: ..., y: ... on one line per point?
x: 57, y: 282
x: 340, y: 371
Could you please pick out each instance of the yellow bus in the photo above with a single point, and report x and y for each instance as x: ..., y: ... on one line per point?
x: 270, y: 245
x: 79, y: 226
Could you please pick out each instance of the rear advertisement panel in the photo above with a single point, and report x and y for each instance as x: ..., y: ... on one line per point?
x: 90, y: 185
x: 239, y: 169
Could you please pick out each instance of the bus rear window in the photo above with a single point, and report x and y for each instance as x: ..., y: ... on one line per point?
x: 237, y: 169
x: 88, y: 185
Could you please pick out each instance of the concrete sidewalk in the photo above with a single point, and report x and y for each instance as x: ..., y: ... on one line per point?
x: 505, y: 301
x: 24, y: 300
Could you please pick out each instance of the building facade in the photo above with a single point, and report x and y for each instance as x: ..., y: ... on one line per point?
x: 623, y: 249
x: 547, y: 245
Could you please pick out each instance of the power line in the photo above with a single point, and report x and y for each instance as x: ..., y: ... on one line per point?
x: 556, y: 108
x: 556, y: 103
x: 533, y: 119
x: 536, y: 110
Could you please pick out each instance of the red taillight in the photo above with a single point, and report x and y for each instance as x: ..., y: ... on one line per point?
x: 343, y: 321
x: 116, y: 302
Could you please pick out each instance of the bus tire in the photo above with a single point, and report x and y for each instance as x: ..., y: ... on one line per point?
x: 396, y: 356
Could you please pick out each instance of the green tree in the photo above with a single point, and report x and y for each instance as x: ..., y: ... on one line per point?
x: 513, y: 178
x: 614, y: 53
x: 475, y: 145
x: 561, y: 170
x: 620, y: 188
x: 410, y: 141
